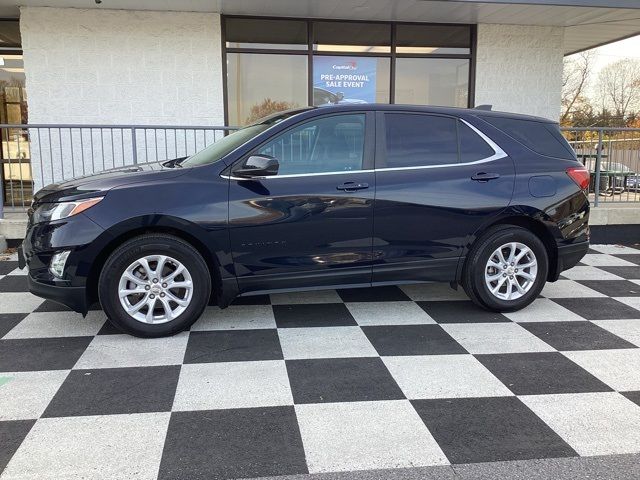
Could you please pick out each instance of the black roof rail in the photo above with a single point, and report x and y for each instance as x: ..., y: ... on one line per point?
x: 484, y: 107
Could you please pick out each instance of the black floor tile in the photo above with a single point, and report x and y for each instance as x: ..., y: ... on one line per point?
x: 598, y: 308
x: 109, y: 329
x: 316, y: 315
x: 252, y: 300
x: 412, y: 340
x: 239, y: 443
x: 108, y: 391
x: 12, y: 434
x: 7, y: 267
x: 630, y: 273
x: 614, y: 288
x: 14, y: 283
x: 473, y: 430
x: 233, y: 346
x: 341, y: 380
x: 541, y: 373
x: 34, y: 354
x: 373, y: 294
x: 460, y: 312
x: 9, y: 320
x: 633, y: 396
x: 576, y: 336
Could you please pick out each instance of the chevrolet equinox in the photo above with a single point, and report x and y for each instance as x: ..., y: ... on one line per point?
x: 313, y: 198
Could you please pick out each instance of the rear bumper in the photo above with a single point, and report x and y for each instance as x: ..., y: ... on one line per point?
x: 73, y: 297
x: 569, y: 256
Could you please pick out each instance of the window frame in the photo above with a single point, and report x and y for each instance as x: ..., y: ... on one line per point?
x: 368, y: 151
x: 310, y: 52
x: 380, y: 164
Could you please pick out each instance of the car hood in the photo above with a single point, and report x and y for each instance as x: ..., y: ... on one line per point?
x: 99, y: 183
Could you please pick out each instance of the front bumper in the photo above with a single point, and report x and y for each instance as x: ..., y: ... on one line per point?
x: 73, y: 297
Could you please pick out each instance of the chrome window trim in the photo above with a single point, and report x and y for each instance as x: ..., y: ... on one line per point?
x: 497, y: 155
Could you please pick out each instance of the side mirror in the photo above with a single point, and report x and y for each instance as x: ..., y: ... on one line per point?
x: 257, y: 166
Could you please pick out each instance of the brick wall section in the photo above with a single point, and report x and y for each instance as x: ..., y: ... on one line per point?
x: 519, y: 68
x: 115, y: 66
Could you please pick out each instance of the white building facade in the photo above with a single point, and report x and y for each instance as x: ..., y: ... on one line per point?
x: 200, y: 62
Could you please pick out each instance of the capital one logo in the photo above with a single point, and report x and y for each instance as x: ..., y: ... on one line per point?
x: 351, y: 65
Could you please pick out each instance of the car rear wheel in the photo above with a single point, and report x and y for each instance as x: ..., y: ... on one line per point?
x: 506, y: 269
x: 154, y: 285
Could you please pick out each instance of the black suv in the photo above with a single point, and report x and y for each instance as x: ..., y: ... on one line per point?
x: 331, y: 197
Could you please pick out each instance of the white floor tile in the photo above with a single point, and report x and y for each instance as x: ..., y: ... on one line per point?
x: 58, y: 324
x: 614, y: 249
x: 236, y: 317
x: 543, y: 310
x: 19, y: 302
x: 627, y: 329
x: 603, y: 260
x: 329, y: 342
x: 112, y: 351
x: 591, y: 423
x: 211, y: 386
x: 108, y: 447
x: 633, y: 302
x: 444, y: 376
x: 568, y: 289
x: 365, y: 435
x: 589, y: 273
x: 26, y: 395
x: 620, y: 369
x: 388, y: 313
x: 496, y: 338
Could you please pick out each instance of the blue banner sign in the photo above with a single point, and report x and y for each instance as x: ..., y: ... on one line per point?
x: 344, y: 80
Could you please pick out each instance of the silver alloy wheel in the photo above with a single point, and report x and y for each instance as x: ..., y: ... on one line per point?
x: 511, y: 271
x: 155, y: 289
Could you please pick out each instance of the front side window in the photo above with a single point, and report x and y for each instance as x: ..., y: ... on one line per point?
x: 328, y: 144
x: 420, y: 140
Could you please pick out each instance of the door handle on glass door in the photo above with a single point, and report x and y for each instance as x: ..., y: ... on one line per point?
x: 352, y: 186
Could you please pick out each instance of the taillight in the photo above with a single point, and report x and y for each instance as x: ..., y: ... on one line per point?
x: 580, y: 175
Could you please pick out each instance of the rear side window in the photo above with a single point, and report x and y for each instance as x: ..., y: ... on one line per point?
x: 421, y: 140
x: 542, y: 138
x: 416, y: 140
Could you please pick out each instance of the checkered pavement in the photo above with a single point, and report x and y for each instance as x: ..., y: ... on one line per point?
x: 324, y: 381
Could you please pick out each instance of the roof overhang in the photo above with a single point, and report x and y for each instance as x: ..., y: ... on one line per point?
x: 588, y: 23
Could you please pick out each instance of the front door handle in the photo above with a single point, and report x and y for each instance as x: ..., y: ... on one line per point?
x: 484, y: 176
x: 352, y: 186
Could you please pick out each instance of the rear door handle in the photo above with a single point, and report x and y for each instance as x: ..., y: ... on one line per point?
x: 484, y: 176
x: 352, y: 186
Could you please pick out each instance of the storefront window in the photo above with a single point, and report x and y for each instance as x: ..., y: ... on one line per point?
x: 432, y: 81
x: 14, y: 154
x: 260, y: 84
x: 275, y: 64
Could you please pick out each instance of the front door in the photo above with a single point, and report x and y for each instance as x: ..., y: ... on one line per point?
x: 312, y: 223
x: 438, y: 180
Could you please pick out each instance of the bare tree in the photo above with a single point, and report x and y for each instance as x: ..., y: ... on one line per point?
x: 619, y: 86
x: 575, y: 80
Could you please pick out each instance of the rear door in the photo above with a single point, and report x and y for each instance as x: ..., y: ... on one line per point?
x: 438, y: 179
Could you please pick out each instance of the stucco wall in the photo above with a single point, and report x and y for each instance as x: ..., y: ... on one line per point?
x: 519, y: 68
x: 115, y: 66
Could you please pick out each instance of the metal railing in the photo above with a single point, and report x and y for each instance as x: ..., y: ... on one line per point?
x: 612, y: 155
x: 36, y: 155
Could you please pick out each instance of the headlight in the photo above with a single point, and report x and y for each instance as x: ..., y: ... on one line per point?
x: 48, y: 212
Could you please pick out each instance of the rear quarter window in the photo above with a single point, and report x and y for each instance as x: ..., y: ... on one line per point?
x: 542, y: 138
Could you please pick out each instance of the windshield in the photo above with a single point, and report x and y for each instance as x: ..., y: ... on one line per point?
x: 228, y: 144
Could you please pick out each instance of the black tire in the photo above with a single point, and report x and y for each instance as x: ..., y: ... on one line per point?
x: 136, y: 248
x: 473, y: 275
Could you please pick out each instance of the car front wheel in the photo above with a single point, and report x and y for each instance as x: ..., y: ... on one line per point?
x: 154, y: 285
x: 506, y: 269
